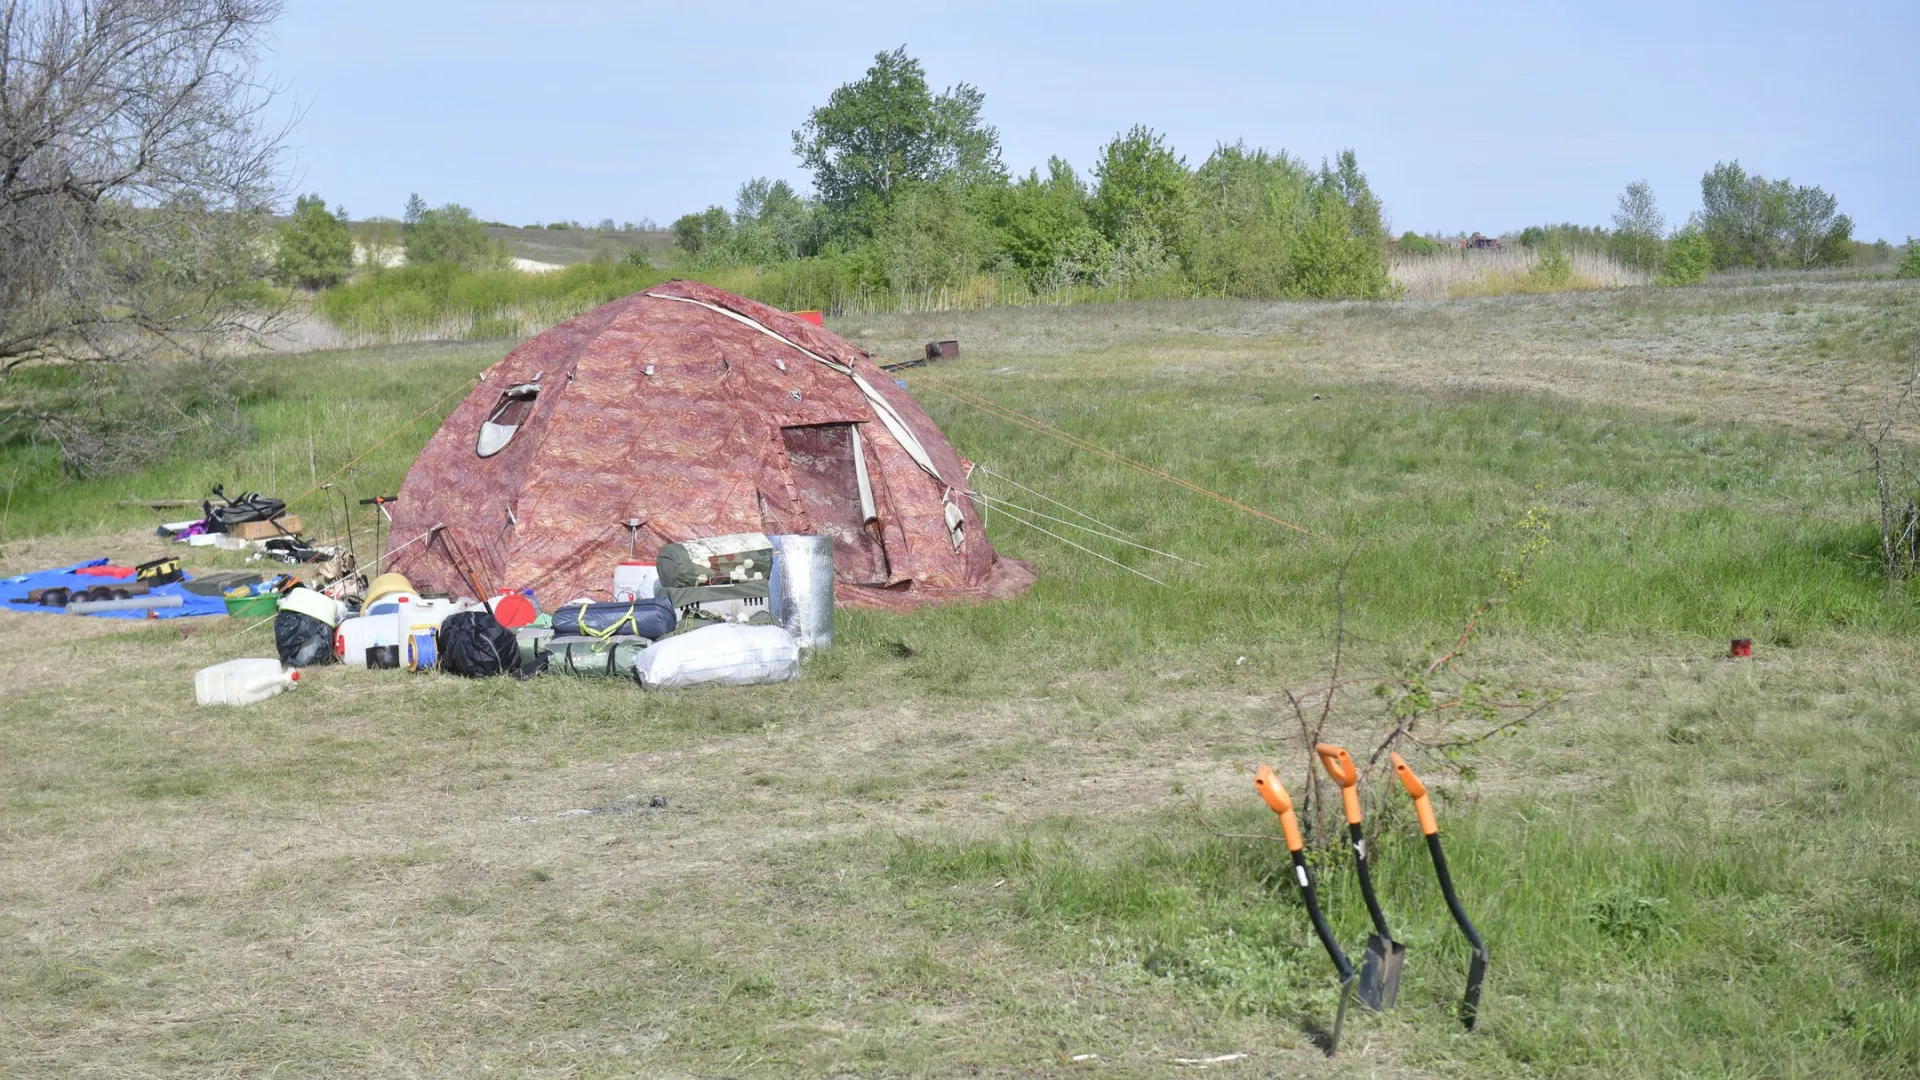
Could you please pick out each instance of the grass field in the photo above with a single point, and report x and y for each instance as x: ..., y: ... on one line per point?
x: 996, y: 840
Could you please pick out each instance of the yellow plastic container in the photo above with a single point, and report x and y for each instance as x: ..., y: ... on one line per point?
x: 386, y: 585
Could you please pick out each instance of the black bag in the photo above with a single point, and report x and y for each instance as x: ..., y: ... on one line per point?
x: 474, y: 644
x: 649, y: 618
x: 252, y: 506
x: 303, y: 640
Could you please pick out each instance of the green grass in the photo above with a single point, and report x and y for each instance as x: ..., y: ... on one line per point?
x: 968, y: 840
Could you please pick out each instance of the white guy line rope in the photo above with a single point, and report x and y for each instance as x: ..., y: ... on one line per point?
x: 1088, y: 550
x: 1054, y: 501
x: 1005, y: 506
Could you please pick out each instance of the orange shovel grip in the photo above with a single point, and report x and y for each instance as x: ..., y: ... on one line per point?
x: 1422, y: 806
x: 1280, y: 803
x: 1339, y: 765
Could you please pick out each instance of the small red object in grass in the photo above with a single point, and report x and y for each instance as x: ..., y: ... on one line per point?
x: 814, y: 317
x: 1741, y: 647
x: 514, y: 611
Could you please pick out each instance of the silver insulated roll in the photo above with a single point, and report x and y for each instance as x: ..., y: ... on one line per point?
x: 802, y: 588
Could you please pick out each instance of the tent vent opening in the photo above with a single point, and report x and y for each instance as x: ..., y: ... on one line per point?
x: 500, y: 426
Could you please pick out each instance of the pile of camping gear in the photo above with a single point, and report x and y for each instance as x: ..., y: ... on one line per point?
x: 253, y: 522
x: 725, y: 610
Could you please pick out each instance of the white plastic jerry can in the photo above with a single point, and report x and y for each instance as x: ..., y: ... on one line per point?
x: 242, y: 682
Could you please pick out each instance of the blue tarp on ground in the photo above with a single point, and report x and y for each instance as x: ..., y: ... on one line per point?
x: 18, y: 587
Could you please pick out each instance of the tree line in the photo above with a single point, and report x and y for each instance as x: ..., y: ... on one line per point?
x: 911, y: 194
x: 1745, y: 222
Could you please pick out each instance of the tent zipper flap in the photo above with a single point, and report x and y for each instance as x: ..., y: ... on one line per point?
x: 867, y: 511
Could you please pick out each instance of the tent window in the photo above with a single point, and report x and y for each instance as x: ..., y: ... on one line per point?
x: 498, y: 429
x: 829, y: 469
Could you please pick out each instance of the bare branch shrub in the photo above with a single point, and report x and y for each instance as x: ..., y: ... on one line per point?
x: 136, y: 176
x: 1896, y: 471
x: 1439, y: 702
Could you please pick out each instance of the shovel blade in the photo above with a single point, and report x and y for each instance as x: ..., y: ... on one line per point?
x: 1380, y: 973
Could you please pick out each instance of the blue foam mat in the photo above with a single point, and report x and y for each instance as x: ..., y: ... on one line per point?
x: 17, y: 588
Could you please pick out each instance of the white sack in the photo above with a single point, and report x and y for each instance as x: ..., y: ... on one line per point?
x: 729, y: 654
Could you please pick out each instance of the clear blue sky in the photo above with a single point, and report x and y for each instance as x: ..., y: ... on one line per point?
x: 1491, y: 117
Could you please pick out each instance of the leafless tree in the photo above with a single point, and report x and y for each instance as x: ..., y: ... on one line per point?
x: 137, y: 168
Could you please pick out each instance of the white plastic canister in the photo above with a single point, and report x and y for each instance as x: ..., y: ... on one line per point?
x: 355, y: 636
x: 242, y: 682
x: 635, y: 580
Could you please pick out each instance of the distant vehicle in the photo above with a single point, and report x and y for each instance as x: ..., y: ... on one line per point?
x: 1480, y: 242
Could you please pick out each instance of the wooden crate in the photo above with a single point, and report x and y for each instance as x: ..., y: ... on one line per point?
x: 284, y: 525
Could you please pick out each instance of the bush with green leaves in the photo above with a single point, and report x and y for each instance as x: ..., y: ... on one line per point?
x: 1412, y: 243
x: 1689, y: 257
x: 1554, y: 268
x: 315, y: 248
x: 1910, y: 262
x: 448, y: 234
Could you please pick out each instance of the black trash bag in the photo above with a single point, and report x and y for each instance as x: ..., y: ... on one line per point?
x: 474, y: 644
x: 303, y: 640
x: 651, y: 617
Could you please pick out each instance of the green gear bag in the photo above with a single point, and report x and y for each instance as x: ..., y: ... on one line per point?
x: 592, y: 656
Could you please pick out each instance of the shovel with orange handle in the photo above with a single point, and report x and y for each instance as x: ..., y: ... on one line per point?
x: 1380, y: 967
x: 1280, y: 803
x: 1477, y: 969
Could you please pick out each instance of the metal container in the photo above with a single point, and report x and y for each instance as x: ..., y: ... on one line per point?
x: 802, y: 588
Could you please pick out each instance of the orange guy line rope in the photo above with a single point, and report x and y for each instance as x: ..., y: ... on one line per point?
x: 954, y: 393
x: 384, y: 441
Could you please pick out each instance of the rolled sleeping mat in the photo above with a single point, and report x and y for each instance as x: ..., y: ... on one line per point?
x: 132, y: 603
x: 575, y: 655
x: 649, y: 618
x: 802, y: 593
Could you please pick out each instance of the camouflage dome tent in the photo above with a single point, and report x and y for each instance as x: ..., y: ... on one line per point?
x: 685, y: 412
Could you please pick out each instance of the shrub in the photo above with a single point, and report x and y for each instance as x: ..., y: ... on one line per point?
x: 1909, y: 263
x: 1689, y: 258
x: 1554, y: 268
x: 449, y: 234
x: 315, y: 248
x: 1411, y: 243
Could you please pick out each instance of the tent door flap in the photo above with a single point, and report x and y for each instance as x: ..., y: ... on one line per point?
x: 829, y: 468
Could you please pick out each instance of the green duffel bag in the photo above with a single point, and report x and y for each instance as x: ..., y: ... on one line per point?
x: 592, y: 656
x: 742, y: 598
x: 715, y: 559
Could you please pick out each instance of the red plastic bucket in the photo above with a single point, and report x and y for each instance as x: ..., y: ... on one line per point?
x: 514, y: 611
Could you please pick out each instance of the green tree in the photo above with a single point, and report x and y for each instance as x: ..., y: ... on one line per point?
x: 1689, y: 257
x: 1043, y: 224
x: 706, y: 233
x: 1141, y: 189
x: 448, y: 234
x: 1263, y: 225
x: 1246, y: 210
x: 1638, y: 227
x: 1910, y: 262
x: 315, y: 249
x: 1756, y: 223
x: 929, y: 237
x: 771, y: 223
x: 888, y: 130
